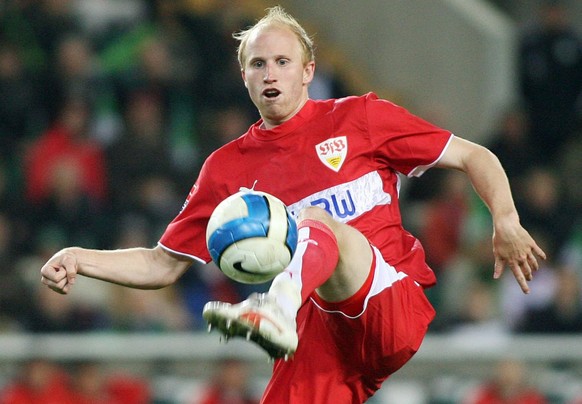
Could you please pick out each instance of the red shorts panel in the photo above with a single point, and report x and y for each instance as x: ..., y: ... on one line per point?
x: 344, y: 358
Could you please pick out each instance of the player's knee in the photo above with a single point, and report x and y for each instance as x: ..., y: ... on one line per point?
x: 316, y: 213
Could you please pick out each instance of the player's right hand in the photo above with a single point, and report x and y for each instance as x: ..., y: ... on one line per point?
x: 60, y: 272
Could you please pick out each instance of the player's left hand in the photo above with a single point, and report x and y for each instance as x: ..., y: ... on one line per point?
x: 513, y: 247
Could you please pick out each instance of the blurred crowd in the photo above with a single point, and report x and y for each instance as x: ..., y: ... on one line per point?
x: 87, y: 382
x: 108, y: 110
x: 110, y: 107
x: 539, y: 141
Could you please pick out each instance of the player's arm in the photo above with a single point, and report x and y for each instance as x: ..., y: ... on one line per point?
x: 512, y: 244
x: 141, y: 268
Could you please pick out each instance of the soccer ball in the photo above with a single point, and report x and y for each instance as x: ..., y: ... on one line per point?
x: 251, y: 236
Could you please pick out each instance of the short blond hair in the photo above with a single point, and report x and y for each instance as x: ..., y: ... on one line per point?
x: 276, y: 16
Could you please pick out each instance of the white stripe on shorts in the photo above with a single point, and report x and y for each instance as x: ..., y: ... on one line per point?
x: 385, y: 275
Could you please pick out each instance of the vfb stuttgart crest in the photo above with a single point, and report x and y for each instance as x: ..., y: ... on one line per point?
x: 332, y: 152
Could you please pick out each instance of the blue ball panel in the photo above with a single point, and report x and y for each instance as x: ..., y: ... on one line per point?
x: 258, y: 208
x: 233, y: 231
x: 291, y: 240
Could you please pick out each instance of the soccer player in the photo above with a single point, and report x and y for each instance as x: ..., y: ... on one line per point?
x: 350, y: 309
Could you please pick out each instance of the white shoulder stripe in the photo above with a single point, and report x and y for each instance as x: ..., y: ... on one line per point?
x: 195, y: 258
x: 419, y: 170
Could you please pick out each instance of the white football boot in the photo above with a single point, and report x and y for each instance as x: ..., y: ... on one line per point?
x: 258, y: 319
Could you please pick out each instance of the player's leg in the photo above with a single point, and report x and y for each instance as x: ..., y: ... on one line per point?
x: 331, y: 257
x: 353, y: 264
x: 373, y: 333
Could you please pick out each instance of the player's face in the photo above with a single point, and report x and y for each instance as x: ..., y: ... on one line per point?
x: 275, y: 74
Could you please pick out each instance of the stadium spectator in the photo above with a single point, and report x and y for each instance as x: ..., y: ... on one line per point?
x: 230, y: 384
x: 11, y: 312
x: 156, y: 74
x: 127, y: 388
x: 210, y: 26
x: 65, y: 156
x: 76, y: 74
x: 471, y: 266
x: 48, y: 382
x: 544, y: 208
x: 550, y: 75
x: 88, y: 383
x: 327, y: 83
x: 21, y: 112
x: 145, y: 134
x: 106, y: 21
x: 514, y: 305
x: 478, y: 320
x: 65, y: 179
x: 49, y: 22
x: 509, y: 385
x: 148, y: 311
x: 39, y: 381
x: 444, y: 221
x: 563, y: 313
x: 571, y: 252
x: 511, y: 142
x: 222, y: 125
x: 52, y: 314
x: 567, y: 167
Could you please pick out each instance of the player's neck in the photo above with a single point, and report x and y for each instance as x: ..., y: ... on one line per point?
x: 269, y: 124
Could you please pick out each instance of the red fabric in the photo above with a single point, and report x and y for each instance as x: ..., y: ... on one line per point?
x: 57, y: 147
x: 344, y: 156
x: 347, y: 349
x: 20, y: 394
x: 216, y: 395
x: 128, y: 390
x: 491, y: 395
x: 54, y: 388
x: 352, y: 306
x: 377, y: 139
x: 442, y: 231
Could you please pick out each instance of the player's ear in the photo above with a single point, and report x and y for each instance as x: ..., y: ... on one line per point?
x: 244, y: 77
x: 308, y: 72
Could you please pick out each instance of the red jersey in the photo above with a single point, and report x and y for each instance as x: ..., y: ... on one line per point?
x: 342, y: 155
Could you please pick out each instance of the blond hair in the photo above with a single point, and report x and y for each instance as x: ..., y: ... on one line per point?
x: 276, y: 16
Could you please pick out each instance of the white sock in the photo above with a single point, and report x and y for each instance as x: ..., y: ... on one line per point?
x: 287, y: 293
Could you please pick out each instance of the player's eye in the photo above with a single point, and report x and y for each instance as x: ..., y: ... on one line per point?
x: 257, y: 64
x: 282, y: 62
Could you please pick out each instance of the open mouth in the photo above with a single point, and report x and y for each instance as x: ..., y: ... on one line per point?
x: 271, y: 93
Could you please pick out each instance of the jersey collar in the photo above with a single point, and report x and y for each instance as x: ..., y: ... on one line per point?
x: 286, y: 127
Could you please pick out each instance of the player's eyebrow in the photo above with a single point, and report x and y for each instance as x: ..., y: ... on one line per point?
x: 263, y: 58
x: 256, y: 59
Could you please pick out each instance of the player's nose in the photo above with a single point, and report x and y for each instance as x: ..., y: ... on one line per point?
x: 269, y: 75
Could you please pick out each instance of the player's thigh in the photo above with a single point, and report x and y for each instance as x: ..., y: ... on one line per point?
x: 355, y: 257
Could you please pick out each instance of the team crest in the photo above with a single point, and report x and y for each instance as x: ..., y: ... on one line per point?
x: 332, y: 152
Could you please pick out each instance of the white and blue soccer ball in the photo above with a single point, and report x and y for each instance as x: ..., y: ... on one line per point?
x: 251, y: 236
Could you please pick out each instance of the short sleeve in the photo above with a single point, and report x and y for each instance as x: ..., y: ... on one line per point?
x: 186, y: 234
x: 403, y: 141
